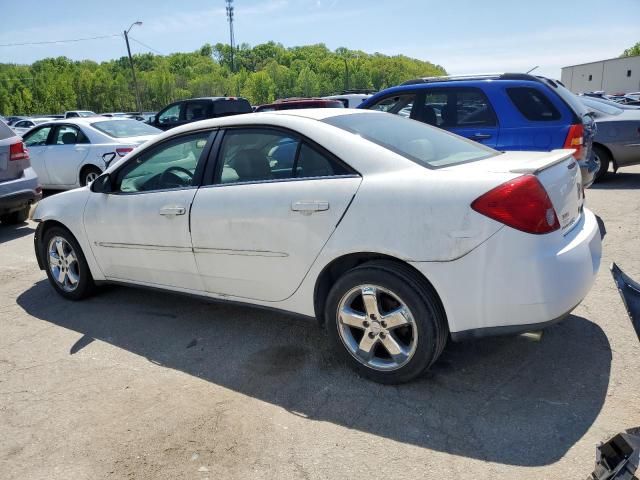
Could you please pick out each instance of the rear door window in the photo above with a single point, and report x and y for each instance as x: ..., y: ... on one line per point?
x: 68, y: 135
x: 533, y: 104
x: 196, y: 111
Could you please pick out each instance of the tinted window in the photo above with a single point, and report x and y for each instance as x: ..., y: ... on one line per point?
x: 473, y: 110
x: 251, y: 155
x: 231, y: 106
x: 125, y: 128
x: 170, y: 115
x: 37, y: 137
x: 425, y: 145
x: 400, y: 104
x: 195, y: 111
x: 170, y: 165
x: 533, y: 104
x: 312, y: 163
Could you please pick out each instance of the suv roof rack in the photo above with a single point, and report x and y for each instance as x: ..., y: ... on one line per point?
x: 476, y: 76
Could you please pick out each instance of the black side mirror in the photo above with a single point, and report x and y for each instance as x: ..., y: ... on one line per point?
x: 108, y: 158
x: 102, y: 184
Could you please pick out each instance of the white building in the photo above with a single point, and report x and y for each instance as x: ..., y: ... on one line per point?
x: 616, y: 75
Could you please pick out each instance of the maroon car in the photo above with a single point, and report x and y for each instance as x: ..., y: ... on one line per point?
x: 293, y: 103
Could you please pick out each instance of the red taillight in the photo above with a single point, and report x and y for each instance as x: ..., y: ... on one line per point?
x: 575, y: 140
x: 123, y: 151
x: 18, y: 151
x: 521, y: 203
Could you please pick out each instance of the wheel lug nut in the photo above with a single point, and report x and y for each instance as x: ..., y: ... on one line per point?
x: 372, y: 335
x: 372, y: 316
x: 365, y: 324
x: 384, y: 324
x: 383, y: 335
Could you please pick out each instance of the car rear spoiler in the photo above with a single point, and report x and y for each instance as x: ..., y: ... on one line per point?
x: 538, y: 164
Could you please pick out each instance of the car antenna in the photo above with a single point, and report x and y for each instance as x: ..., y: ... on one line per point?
x: 537, y: 66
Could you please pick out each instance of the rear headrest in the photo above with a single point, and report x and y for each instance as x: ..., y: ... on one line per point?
x: 68, y: 138
x: 251, y: 164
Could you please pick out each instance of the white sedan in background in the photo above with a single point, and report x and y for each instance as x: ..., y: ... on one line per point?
x: 23, y: 126
x: 69, y: 153
x: 395, y: 235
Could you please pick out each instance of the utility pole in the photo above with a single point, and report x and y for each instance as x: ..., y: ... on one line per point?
x: 133, y: 70
x: 231, y: 37
x: 346, y: 74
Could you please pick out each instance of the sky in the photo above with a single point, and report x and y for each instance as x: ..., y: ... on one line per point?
x: 464, y: 36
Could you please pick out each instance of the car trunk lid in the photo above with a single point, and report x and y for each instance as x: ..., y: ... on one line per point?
x: 557, y: 171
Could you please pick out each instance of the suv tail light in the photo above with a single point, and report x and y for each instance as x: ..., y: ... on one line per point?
x: 18, y: 151
x: 521, y: 203
x: 575, y: 140
x: 123, y: 151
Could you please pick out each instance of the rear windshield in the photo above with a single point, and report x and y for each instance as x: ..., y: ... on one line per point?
x: 5, y: 131
x: 533, y: 104
x: 424, y: 144
x: 600, y: 106
x: 125, y: 128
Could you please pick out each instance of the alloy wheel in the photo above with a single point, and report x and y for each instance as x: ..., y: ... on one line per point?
x: 90, y: 177
x: 377, y: 327
x: 63, y: 264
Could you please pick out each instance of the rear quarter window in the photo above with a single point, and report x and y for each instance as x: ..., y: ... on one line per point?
x: 533, y: 104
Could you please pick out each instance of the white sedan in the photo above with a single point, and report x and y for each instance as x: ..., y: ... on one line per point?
x: 395, y: 235
x: 73, y: 152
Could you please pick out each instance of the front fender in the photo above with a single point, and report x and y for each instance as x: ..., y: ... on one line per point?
x: 66, y: 209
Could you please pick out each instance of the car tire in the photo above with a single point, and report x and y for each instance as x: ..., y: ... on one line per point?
x: 16, y: 217
x: 89, y: 174
x: 71, y: 277
x: 603, y: 158
x: 417, y: 335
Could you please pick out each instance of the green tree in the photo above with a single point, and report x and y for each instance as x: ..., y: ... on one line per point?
x: 632, y: 52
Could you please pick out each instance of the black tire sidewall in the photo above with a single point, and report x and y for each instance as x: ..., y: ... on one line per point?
x: 605, y: 160
x: 86, y: 285
x: 87, y: 171
x: 422, y: 309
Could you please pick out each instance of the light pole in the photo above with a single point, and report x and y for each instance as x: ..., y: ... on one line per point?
x: 231, y: 36
x: 133, y: 70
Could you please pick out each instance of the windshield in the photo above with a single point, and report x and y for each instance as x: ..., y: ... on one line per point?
x: 424, y: 144
x: 86, y: 114
x: 125, y: 128
x: 600, y: 106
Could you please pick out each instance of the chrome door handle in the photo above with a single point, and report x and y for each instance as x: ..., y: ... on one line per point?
x: 310, y: 207
x: 480, y: 136
x: 170, y: 211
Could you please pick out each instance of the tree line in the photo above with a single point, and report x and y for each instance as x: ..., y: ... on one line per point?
x: 261, y: 73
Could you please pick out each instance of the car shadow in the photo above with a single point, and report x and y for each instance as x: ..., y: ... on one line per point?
x: 507, y: 400
x: 13, y: 232
x: 618, y: 181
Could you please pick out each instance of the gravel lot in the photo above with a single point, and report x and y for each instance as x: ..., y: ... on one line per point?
x: 137, y: 384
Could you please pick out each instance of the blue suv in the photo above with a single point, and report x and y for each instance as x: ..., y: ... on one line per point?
x: 508, y: 111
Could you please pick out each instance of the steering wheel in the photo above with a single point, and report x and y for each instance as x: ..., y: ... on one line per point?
x: 169, y: 172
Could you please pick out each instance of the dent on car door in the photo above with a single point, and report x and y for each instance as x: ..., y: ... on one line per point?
x: 67, y: 149
x: 258, y: 229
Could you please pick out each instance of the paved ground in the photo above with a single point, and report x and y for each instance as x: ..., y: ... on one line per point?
x: 133, y: 384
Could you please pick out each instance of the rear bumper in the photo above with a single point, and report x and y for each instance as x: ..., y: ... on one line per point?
x: 19, y: 193
x: 517, y: 282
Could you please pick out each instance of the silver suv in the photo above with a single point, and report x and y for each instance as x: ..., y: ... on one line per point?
x: 19, y: 187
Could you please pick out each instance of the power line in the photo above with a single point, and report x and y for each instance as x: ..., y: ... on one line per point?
x: 57, y: 41
x: 146, y: 46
